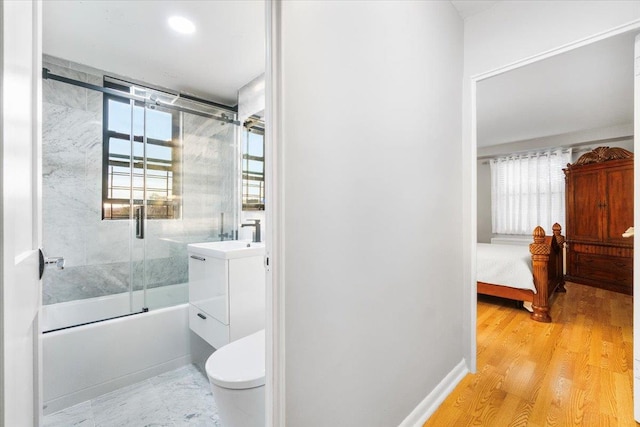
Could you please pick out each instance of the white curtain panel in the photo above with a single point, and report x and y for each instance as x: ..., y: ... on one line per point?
x: 528, y: 190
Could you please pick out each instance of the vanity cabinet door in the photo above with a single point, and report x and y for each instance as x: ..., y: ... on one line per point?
x: 208, y: 285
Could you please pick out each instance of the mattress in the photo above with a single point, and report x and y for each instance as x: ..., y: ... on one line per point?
x: 505, y: 265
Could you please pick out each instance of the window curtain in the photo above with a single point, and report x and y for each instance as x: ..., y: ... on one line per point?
x: 528, y: 190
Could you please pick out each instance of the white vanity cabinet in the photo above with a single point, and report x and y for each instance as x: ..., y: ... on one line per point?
x: 226, y: 290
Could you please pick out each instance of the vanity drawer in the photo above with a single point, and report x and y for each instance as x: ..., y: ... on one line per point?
x: 207, y: 327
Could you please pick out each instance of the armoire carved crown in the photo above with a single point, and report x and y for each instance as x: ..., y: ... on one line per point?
x: 602, y: 154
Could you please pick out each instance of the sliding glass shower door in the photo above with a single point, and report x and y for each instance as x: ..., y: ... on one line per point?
x: 190, y: 195
x: 91, y: 235
x: 131, y: 176
x: 141, y: 181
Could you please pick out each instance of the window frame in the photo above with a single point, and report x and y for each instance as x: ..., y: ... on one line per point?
x: 173, y: 205
x: 252, y: 126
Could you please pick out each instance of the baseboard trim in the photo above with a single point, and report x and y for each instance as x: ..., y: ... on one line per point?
x: 429, y: 404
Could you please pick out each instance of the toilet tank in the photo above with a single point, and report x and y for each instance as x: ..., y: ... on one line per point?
x: 226, y: 290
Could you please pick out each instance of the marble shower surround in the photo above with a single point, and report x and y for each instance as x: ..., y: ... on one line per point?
x: 99, y: 254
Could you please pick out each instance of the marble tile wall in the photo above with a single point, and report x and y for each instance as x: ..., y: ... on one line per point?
x: 101, y: 257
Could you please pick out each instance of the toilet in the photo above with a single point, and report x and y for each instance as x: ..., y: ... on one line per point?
x: 236, y: 374
x: 227, y: 310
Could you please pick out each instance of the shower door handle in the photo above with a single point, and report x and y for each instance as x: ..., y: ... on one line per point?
x: 139, y: 217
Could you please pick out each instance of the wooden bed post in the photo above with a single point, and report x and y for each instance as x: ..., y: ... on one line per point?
x: 540, y: 252
x: 557, y: 233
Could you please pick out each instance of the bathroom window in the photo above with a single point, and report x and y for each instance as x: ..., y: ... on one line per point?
x: 121, y: 184
x: 253, y: 165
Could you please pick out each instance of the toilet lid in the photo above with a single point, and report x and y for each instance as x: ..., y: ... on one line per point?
x: 240, y: 364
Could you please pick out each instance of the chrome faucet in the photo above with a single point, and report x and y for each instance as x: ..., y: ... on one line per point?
x: 256, y: 233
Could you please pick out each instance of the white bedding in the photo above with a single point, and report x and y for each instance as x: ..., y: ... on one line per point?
x: 507, y: 265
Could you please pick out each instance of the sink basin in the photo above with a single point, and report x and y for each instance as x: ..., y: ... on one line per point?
x: 227, y: 249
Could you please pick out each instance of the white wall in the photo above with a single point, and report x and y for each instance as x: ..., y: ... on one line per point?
x: 513, y: 31
x: 251, y: 98
x: 371, y: 140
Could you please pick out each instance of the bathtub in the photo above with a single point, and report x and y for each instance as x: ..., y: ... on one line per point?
x: 61, y: 315
x: 84, y: 362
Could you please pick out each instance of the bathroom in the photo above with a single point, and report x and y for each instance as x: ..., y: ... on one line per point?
x: 129, y: 182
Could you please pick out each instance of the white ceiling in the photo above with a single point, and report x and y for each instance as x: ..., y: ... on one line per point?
x: 587, y: 88
x: 132, y: 39
x: 467, y: 8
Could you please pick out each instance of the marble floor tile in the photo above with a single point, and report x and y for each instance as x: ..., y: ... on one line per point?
x: 181, y: 397
x: 140, y: 404
x: 187, y: 403
x: 78, y: 415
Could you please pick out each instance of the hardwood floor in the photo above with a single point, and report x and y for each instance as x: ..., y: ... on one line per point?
x: 576, y: 371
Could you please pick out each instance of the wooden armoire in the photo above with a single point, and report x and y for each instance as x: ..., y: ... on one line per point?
x: 599, y: 208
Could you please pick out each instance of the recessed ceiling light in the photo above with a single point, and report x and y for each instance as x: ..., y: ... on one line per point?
x: 182, y: 25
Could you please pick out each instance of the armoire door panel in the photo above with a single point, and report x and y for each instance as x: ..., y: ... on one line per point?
x: 586, y: 211
x: 619, y: 204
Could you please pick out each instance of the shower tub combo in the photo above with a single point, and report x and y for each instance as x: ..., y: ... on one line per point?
x: 130, y: 176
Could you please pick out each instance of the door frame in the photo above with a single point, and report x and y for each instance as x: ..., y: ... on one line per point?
x: 275, y: 296
x: 275, y: 224
x: 473, y: 150
x: 636, y: 239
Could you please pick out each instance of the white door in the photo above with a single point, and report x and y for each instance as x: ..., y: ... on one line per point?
x: 19, y: 284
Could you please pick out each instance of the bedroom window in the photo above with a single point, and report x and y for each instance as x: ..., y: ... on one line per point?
x: 162, y: 158
x: 528, y: 190
x: 253, y: 165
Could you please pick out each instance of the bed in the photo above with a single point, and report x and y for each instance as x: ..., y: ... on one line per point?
x: 516, y: 273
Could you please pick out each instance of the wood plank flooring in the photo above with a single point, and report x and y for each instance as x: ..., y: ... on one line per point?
x: 576, y: 371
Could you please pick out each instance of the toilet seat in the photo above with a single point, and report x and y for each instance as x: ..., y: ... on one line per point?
x: 240, y: 364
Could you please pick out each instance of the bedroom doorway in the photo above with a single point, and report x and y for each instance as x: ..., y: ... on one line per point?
x: 520, y: 89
